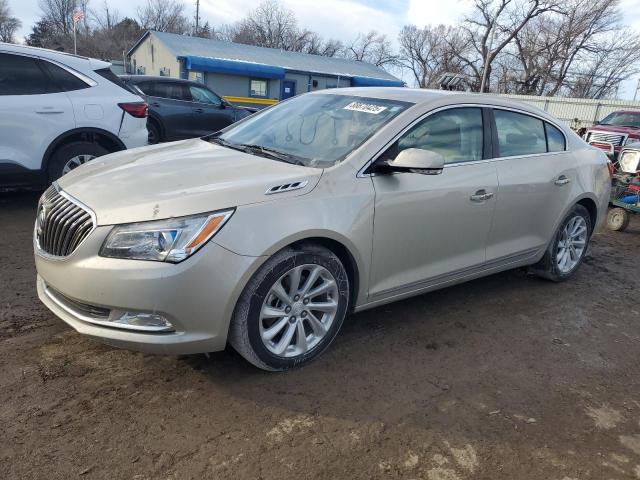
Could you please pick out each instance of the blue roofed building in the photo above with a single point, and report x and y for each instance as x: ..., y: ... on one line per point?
x: 247, y: 74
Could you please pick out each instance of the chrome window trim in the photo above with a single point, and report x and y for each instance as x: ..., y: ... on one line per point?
x: 80, y: 76
x: 94, y: 221
x: 361, y: 171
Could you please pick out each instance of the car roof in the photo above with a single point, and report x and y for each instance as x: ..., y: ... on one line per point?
x: 62, y: 57
x: 156, y: 78
x: 424, y: 97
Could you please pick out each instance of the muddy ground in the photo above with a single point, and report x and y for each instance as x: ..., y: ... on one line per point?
x: 507, y: 377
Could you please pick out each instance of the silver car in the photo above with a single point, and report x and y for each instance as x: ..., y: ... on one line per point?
x: 266, y: 234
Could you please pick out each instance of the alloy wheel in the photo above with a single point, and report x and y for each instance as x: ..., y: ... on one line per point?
x: 298, y: 310
x: 572, y: 244
x: 75, y: 162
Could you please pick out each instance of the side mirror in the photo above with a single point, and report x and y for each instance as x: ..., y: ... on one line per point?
x: 416, y: 160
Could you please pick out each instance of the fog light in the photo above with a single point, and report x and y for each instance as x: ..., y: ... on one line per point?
x: 151, y: 322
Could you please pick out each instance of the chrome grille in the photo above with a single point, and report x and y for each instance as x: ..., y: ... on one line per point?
x: 614, y: 138
x: 61, y: 224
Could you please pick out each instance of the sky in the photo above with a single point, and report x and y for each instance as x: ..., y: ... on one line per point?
x: 340, y: 19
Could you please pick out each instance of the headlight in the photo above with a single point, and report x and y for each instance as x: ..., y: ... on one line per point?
x: 170, y: 240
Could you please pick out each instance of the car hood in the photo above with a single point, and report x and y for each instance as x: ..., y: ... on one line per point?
x: 180, y: 178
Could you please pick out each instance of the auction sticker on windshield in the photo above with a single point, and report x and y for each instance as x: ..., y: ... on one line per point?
x: 365, y: 107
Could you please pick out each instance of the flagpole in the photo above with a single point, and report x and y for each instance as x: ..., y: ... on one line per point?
x: 75, y: 47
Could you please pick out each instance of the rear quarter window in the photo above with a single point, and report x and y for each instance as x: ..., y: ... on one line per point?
x: 65, y: 81
x: 555, y: 139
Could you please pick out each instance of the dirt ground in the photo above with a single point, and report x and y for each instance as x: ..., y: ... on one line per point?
x: 507, y: 377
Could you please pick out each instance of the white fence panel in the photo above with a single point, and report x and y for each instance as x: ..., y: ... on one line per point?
x: 585, y: 110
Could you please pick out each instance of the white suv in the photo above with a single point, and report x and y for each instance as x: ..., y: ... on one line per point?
x: 58, y: 111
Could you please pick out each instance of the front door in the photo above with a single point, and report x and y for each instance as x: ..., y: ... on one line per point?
x: 430, y: 227
x: 288, y: 89
x: 210, y: 113
x: 536, y: 175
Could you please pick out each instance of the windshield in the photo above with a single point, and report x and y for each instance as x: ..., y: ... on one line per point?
x: 312, y: 130
x: 622, y: 119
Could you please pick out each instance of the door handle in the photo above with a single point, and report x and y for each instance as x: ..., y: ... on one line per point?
x: 481, y: 196
x: 198, y: 110
x: 47, y: 111
x: 155, y: 104
x: 562, y: 180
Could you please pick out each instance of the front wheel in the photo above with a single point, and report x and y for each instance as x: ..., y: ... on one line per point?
x: 292, y: 308
x: 568, y: 247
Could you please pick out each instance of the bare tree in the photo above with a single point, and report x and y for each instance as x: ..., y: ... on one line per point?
x: 429, y: 52
x: 8, y: 23
x: 59, y: 14
x: 163, y: 16
x: 106, y: 17
x: 372, y: 47
x: 497, y: 21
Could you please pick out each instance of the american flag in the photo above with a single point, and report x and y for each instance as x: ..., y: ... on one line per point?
x: 77, y: 16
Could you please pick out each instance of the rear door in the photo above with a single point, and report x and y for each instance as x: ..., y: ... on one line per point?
x: 430, y: 228
x: 33, y: 111
x: 210, y: 113
x: 535, y: 173
x: 172, y: 102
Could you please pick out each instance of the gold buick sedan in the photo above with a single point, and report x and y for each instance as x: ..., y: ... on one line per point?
x: 265, y: 235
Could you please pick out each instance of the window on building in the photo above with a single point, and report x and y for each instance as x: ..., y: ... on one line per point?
x: 519, y: 134
x: 258, y: 88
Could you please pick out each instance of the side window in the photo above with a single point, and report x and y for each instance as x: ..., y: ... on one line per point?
x: 172, y: 90
x: 148, y: 88
x: 22, y: 76
x: 202, y: 95
x: 555, y: 139
x: 519, y: 134
x: 456, y: 134
x: 258, y: 88
x: 65, y: 81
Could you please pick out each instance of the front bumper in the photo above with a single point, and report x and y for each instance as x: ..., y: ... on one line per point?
x: 197, y: 296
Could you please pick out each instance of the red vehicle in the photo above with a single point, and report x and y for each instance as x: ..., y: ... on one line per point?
x: 614, y: 132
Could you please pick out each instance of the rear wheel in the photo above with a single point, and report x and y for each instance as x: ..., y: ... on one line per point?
x: 568, y: 247
x: 618, y: 219
x: 292, y: 309
x: 153, y: 130
x: 71, y: 156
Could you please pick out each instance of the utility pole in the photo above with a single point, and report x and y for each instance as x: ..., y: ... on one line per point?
x: 635, y: 94
x: 197, y: 17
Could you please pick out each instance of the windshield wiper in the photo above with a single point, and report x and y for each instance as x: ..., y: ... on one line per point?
x: 272, y: 153
x: 266, y: 151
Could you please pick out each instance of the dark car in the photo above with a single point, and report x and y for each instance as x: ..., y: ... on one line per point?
x: 180, y: 109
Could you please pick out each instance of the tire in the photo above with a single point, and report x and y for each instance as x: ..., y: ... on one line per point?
x: 251, y: 333
x: 618, y: 219
x: 153, y: 129
x: 551, y: 266
x: 72, y: 155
